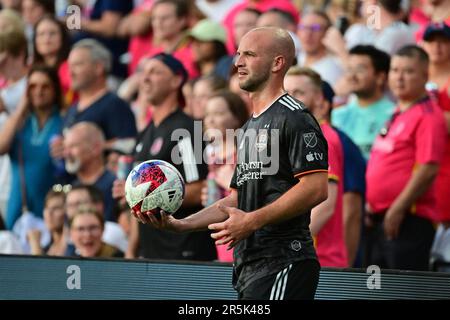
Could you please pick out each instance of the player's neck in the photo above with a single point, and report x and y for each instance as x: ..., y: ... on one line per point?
x: 264, y: 98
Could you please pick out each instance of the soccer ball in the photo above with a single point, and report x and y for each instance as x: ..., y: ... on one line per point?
x: 153, y: 185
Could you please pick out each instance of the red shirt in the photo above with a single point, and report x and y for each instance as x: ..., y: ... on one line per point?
x: 330, y: 244
x: 443, y: 179
x: 415, y: 136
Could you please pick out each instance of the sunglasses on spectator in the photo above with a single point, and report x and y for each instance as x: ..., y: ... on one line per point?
x: 313, y: 28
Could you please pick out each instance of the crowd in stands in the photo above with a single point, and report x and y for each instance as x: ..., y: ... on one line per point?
x: 73, y: 101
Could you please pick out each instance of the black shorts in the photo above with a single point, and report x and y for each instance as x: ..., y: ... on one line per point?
x: 298, y: 281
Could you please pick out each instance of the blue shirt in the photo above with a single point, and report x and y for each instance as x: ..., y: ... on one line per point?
x: 362, y: 124
x: 112, y: 114
x: 38, y: 168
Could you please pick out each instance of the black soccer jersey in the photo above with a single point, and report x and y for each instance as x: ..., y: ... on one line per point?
x: 173, y: 141
x: 275, y: 149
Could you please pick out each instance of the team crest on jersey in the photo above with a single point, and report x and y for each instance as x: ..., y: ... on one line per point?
x: 261, y: 141
x: 156, y: 146
x: 310, y: 139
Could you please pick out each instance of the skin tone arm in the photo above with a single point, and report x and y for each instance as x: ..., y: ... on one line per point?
x: 10, y: 127
x: 352, y: 214
x: 135, y: 24
x: 232, y: 225
x: 324, y: 211
x: 106, y: 26
x: 419, y: 183
x: 133, y: 240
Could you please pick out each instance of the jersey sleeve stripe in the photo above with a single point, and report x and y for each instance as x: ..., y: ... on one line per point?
x: 293, y: 105
x: 298, y: 104
x: 286, y: 105
x: 308, y: 172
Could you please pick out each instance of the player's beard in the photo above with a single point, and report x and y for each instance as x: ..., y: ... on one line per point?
x: 72, y: 165
x: 252, y: 83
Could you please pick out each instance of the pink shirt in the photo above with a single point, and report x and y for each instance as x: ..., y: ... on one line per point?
x: 330, y: 244
x: 262, y: 6
x: 415, y: 136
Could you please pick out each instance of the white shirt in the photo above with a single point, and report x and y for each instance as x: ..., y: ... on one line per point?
x: 216, y: 10
x: 329, y: 67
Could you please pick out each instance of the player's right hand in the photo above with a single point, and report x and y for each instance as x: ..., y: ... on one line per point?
x: 164, y: 222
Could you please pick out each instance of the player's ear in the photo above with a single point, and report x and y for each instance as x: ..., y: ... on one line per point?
x: 278, y: 63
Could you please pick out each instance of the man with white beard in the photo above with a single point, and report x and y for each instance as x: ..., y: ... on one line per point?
x: 83, y: 153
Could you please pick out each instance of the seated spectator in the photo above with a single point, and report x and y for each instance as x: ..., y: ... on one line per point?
x: 363, y: 117
x: 225, y: 112
x: 54, y: 218
x: 26, y: 137
x: 86, y: 230
x: 84, y: 144
x: 402, y: 167
x: 216, y: 10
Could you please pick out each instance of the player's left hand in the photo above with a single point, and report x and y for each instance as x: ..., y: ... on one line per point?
x: 238, y: 226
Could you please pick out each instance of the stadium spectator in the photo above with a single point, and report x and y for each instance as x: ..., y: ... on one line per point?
x: 13, y: 71
x: 203, y: 88
x: 170, y: 22
x: 326, y: 219
x: 402, y: 167
x: 11, y: 4
x: 51, y: 46
x: 26, y: 136
x: 89, y: 65
x: 91, y: 196
x: 216, y: 10
x: 32, y: 12
x: 54, y: 218
x: 354, y: 189
x: 163, y: 79
x: 101, y: 22
x: 84, y: 146
x: 225, y: 112
x: 208, y: 46
x: 429, y: 11
x: 314, y: 54
x: 260, y: 6
x: 363, y: 117
x: 86, y: 230
x: 383, y: 27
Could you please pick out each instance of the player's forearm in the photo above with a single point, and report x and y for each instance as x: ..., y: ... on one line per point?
x: 202, y: 219
x: 311, y: 190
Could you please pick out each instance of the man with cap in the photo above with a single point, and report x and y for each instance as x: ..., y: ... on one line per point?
x: 208, y: 45
x: 162, y: 80
x: 326, y: 225
x: 437, y: 44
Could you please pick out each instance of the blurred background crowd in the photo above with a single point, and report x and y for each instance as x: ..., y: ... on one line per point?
x: 90, y: 87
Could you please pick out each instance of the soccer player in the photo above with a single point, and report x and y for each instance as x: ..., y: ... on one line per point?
x: 280, y: 175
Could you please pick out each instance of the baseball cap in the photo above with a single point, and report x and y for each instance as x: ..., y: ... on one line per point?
x: 436, y: 28
x: 177, y: 68
x: 208, y: 30
x: 328, y: 92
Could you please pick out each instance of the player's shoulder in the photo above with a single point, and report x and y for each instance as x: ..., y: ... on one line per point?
x: 293, y: 111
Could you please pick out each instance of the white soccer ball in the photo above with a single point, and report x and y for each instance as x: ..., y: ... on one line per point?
x: 153, y: 185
